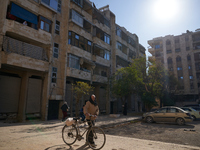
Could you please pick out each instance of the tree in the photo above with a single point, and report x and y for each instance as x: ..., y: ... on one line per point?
x: 146, y: 78
x: 81, y: 89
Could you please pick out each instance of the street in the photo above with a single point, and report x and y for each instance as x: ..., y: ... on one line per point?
x: 129, y: 135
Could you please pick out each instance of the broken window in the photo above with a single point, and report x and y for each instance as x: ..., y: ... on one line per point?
x: 121, y: 62
x: 79, y: 41
x: 87, y: 26
x: 99, y: 51
x: 118, y: 31
x: 122, y: 47
x: 78, y: 2
x: 101, y: 35
x: 100, y: 70
x: 131, y: 41
x: 76, y: 18
x: 73, y: 61
x: 100, y: 17
x: 132, y: 54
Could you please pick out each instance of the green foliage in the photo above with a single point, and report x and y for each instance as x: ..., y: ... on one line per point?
x: 81, y: 89
x: 149, y: 100
x: 143, y: 77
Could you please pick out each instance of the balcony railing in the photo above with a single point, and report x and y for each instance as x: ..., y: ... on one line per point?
x: 11, y: 45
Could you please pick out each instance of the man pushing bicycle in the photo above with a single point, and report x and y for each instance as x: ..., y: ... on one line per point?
x: 91, y: 108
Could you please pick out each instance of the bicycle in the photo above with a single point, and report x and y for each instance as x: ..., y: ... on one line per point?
x: 72, y: 133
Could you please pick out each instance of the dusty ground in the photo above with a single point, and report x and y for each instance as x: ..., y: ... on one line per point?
x: 47, y: 136
x: 188, y: 134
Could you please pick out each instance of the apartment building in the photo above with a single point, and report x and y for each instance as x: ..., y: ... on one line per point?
x: 181, y: 56
x: 46, y: 45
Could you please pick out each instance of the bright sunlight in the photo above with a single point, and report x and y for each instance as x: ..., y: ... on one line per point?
x: 165, y: 10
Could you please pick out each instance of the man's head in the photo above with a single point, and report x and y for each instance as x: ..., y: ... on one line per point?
x: 93, y: 97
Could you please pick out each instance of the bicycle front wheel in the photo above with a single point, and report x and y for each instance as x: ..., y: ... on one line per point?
x: 97, y: 136
x: 69, y: 134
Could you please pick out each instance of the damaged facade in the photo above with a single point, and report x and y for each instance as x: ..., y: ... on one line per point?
x: 61, y: 43
x: 181, y: 56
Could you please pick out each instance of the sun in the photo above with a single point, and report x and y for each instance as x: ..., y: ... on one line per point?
x: 165, y: 10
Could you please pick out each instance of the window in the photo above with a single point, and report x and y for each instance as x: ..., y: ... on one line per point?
x: 187, y: 48
x: 107, y: 38
x: 191, y: 86
x: 177, y: 41
x: 79, y: 41
x: 168, y: 42
x: 73, y: 61
x: 89, y: 49
x: 106, y: 55
x: 186, y: 38
x: 180, y: 78
x: 51, y: 3
x: 45, y: 24
x: 164, y: 110
x: 179, y: 68
x: 191, y: 77
x: 119, y: 46
x: 169, y: 61
x: 55, y: 50
x: 169, y: 51
x: 189, y: 67
x: 157, y: 46
x: 59, y: 6
x: 178, y: 59
x: 118, y: 32
x: 57, y: 27
x: 54, y: 75
x: 188, y: 57
x: 177, y: 50
x: 77, y: 18
x: 78, y: 2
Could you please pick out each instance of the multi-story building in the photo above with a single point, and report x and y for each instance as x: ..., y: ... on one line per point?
x: 46, y: 45
x: 181, y: 56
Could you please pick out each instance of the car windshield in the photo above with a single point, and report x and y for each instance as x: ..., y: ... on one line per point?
x: 193, y: 109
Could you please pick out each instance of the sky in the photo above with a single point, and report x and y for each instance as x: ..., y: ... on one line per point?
x: 149, y: 19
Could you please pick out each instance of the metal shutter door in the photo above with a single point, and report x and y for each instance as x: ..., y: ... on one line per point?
x: 9, y: 94
x: 34, y: 96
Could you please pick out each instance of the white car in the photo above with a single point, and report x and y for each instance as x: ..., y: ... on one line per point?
x: 194, y: 113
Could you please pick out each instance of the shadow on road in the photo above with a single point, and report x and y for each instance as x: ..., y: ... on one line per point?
x: 66, y: 147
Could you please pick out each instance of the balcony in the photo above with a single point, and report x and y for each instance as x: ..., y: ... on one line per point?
x: 11, y: 45
x: 79, y: 74
x: 99, y: 78
x: 14, y: 28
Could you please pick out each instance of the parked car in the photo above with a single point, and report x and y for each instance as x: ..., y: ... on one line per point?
x: 194, y: 113
x: 194, y: 106
x: 168, y: 114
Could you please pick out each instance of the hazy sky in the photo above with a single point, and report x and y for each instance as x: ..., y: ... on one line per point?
x: 154, y: 18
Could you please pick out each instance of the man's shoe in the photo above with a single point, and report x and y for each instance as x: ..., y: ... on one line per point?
x: 93, y: 144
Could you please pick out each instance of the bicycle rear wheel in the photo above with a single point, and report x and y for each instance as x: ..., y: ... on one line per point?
x: 99, y: 138
x: 69, y: 134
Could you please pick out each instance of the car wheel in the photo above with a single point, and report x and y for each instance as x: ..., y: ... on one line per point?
x: 193, y: 117
x: 149, y: 119
x: 180, y: 121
